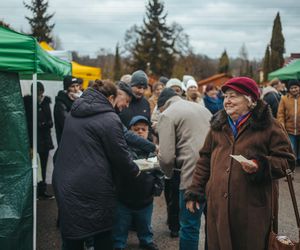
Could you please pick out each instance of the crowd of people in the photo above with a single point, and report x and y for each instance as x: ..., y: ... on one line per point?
x: 101, y: 192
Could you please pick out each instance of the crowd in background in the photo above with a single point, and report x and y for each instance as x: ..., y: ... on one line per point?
x: 102, y: 194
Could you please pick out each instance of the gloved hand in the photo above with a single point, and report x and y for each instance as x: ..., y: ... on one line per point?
x: 193, y: 201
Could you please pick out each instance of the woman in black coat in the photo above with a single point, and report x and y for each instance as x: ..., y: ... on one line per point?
x: 91, y: 153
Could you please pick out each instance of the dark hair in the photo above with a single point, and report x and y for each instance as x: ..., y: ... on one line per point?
x: 105, y: 87
x: 39, y: 86
x: 209, y: 87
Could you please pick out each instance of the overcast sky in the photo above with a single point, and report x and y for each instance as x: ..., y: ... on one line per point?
x: 86, y: 26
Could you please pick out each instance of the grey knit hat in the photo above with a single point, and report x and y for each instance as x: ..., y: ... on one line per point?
x: 139, y: 78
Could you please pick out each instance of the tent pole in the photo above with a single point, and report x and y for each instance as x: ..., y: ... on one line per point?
x: 34, y: 155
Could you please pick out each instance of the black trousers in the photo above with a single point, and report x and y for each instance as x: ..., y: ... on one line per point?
x: 42, y: 186
x: 172, y: 200
x: 44, y: 160
x: 102, y: 241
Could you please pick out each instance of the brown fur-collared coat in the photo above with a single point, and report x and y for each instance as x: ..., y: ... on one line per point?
x: 239, y: 204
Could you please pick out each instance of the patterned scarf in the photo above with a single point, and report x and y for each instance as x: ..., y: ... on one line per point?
x: 235, y: 126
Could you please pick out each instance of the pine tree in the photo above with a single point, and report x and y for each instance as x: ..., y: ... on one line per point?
x: 244, y: 61
x: 117, y: 65
x: 277, y: 45
x: 4, y: 24
x: 154, y: 45
x: 224, y: 63
x: 266, y: 64
x: 39, y: 23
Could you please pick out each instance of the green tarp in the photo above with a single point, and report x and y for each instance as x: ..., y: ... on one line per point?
x: 21, y: 53
x: 16, y: 208
x: 291, y: 71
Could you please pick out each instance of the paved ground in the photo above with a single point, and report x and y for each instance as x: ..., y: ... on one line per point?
x: 48, y: 235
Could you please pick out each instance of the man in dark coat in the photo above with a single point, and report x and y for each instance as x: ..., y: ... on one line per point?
x: 139, y: 104
x: 63, y: 103
x: 44, y: 140
x: 92, y: 153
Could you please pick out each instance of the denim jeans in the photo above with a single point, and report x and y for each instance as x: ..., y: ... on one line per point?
x: 189, y: 225
x: 295, y: 141
x: 142, y: 220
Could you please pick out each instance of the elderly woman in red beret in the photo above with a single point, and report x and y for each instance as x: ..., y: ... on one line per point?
x: 239, y: 194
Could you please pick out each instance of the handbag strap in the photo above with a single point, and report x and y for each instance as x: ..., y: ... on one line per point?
x: 288, y: 174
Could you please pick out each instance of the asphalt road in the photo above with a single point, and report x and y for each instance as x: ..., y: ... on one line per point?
x: 48, y: 237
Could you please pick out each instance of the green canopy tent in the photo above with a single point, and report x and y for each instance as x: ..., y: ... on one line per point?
x: 20, y: 55
x: 291, y: 71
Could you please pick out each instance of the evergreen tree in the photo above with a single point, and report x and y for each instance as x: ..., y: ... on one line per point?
x: 277, y: 45
x: 250, y: 72
x: 244, y: 61
x: 154, y: 46
x: 224, y: 63
x: 266, y: 64
x: 4, y: 24
x: 39, y: 23
x: 117, y: 65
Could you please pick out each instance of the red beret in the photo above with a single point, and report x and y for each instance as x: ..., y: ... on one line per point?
x: 243, y: 85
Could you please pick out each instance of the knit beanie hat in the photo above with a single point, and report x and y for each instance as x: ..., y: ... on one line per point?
x: 243, y: 85
x: 163, y: 80
x: 125, y: 87
x: 69, y: 80
x: 191, y: 83
x: 126, y: 78
x: 164, y: 96
x: 293, y: 82
x: 186, y: 78
x: 139, y: 78
x: 174, y: 82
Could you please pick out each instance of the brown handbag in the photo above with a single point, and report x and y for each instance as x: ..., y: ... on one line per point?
x: 277, y: 242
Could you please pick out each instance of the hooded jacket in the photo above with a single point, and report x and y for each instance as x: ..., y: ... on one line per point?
x: 91, y: 153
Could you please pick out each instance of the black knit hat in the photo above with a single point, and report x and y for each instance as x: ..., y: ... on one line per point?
x: 164, y: 96
x: 69, y: 80
x: 125, y: 87
x: 293, y: 82
x: 139, y: 78
x: 163, y: 80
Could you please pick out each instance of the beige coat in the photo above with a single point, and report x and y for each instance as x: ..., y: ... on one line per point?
x: 288, y: 114
x: 239, y: 204
x: 182, y: 129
